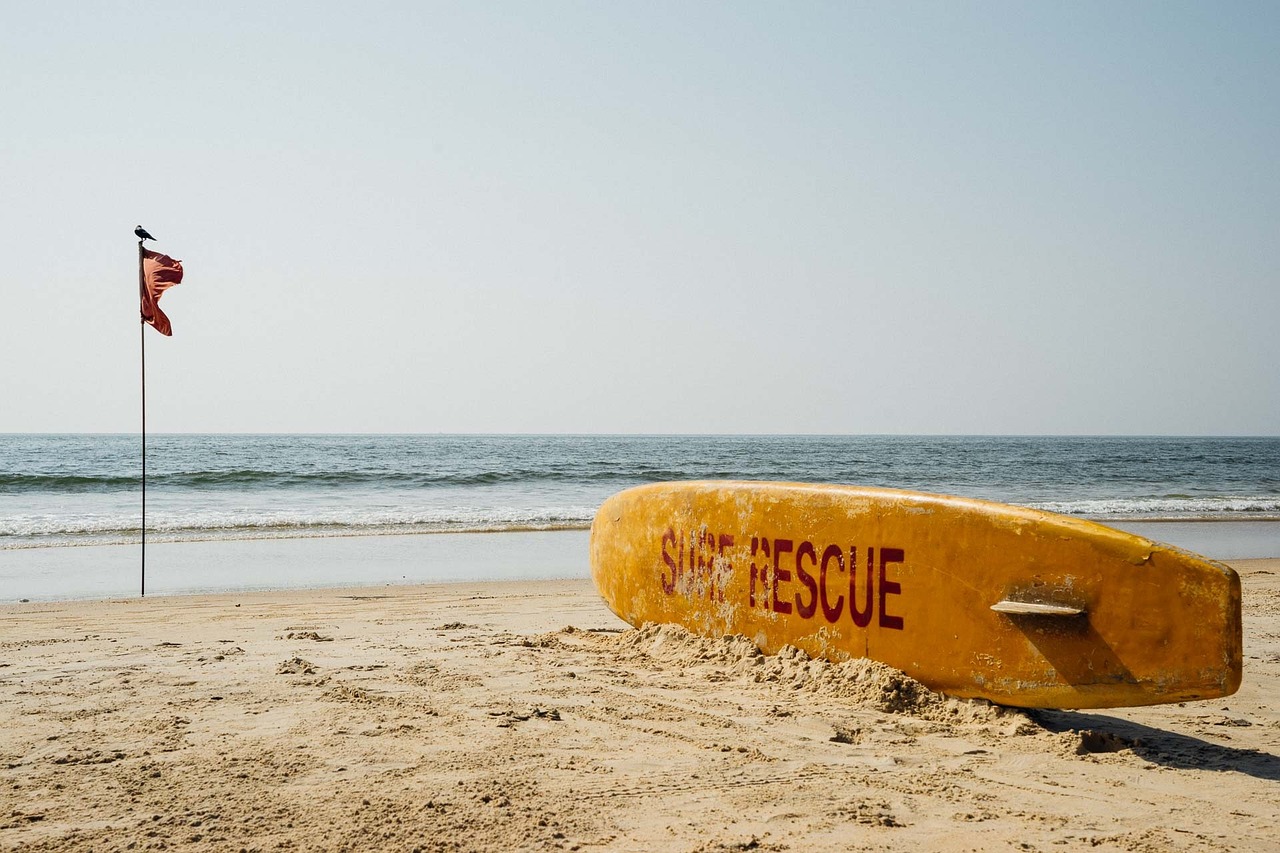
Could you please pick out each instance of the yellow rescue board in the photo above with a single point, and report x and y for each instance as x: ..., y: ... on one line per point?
x: 972, y: 598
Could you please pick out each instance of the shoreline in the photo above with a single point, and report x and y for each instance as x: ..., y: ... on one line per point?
x: 230, y: 566
x: 156, y: 537
x: 88, y: 572
x: 523, y: 714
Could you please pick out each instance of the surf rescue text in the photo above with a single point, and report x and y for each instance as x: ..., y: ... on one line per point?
x: 810, y: 580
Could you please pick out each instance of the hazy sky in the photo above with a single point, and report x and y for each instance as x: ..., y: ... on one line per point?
x: 645, y: 217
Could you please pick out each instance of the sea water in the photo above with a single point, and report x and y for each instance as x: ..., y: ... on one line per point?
x: 64, y: 490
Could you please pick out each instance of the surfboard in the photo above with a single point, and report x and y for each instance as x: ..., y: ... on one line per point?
x: 972, y: 598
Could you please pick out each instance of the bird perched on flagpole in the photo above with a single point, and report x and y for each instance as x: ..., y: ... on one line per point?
x: 142, y: 233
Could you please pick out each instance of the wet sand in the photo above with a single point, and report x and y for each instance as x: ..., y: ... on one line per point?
x: 525, y: 716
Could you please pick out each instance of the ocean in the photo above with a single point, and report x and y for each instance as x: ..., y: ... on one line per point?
x: 85, y: 489
x: 69, y: 490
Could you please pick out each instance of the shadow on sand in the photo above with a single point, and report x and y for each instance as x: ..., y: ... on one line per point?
x: 1099, y: 733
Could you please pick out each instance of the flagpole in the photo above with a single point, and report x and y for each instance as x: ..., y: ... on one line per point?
x: 165, y: 273
x: 142, y: 327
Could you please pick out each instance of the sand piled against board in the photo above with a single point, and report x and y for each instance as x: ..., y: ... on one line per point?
x: 861, y: 681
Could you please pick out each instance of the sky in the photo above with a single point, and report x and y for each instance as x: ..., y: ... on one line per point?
x: 644, y: 217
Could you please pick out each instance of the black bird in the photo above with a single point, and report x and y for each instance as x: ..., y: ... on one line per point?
x: 142, y: 233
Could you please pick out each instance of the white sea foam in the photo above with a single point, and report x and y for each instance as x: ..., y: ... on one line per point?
x: 1171, y: 508
x: 168, y: 526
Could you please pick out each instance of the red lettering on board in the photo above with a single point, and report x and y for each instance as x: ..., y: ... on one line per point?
x: 772, y: 568
x: 832, y: 552
x: 780, y: 546
x: 724, y: 568
x: 707, y: 570
x: 803, y: 610
x: 888, y: 587
x: 698, y: 566
x: 760, y: 545
x: 669, y: 584
x: 861, y: 618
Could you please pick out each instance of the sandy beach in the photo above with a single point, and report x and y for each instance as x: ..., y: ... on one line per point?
x: 525, y: 716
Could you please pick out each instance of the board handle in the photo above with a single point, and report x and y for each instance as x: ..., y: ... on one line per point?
x: 1029, y: 608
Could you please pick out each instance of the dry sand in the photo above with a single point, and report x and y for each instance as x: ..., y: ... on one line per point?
x: 523, y: 716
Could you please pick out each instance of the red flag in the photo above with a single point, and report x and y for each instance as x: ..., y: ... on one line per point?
x: 159, y: 273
